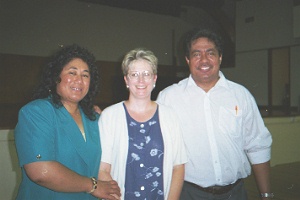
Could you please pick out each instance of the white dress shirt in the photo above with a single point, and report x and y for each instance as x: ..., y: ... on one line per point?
x: 222, y: 129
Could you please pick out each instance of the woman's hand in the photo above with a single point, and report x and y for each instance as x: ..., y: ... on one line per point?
x: 108, y: 190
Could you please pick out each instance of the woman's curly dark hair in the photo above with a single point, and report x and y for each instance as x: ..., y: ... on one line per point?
x: 51, y: 76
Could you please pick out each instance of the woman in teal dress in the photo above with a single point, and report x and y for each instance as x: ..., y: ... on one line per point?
x: 57, y: 134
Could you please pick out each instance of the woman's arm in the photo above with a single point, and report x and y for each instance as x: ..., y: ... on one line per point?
x: 177, y: 182
x: 104, y: 172
x: 57, y: 177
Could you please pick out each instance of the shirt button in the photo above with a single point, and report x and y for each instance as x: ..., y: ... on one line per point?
x: 142, y: 188
x: 142, y: 144
x: 141, y: 165
x: 142, y: 125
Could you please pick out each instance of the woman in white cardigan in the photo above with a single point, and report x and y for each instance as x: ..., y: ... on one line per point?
x: 142, y: 146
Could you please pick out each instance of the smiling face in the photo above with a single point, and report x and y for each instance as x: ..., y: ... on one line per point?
x: 204, y: 62
x: 75, y: 82
x: 141, y: 86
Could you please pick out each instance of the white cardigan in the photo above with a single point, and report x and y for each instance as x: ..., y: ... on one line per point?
x: 114, y: 143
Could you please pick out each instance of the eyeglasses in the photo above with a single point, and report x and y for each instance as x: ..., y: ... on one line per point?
x: 134, y: 75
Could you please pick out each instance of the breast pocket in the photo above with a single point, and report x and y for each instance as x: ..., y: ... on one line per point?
x: 230, y: 121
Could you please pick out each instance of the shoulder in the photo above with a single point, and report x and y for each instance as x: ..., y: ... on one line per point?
x: 241, y: 93
x: 173, y: 91
x: 238, y: 88
x: 176, y: 86
x: 113, y: 107
x: 113, y: 110
x: 39, y: 105
x: 37, y: 113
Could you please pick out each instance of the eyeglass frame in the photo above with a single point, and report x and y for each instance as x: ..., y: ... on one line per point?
x: 139, y: 74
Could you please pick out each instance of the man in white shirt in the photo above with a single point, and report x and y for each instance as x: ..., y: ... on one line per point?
x: 222, y: 127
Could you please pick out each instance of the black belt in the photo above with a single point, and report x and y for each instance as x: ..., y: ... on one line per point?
x: 215, y: 189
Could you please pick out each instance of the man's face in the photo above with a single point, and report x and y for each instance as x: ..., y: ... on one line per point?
x: 204, y: 62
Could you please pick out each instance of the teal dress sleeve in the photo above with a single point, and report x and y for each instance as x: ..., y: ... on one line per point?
x: 34, y: 133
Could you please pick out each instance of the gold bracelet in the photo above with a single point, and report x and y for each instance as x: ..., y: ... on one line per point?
x: 94, y: 181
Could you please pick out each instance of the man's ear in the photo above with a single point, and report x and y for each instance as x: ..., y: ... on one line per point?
x: 187, y: 60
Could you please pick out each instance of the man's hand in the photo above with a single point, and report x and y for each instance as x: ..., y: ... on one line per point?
x: 97, y: 109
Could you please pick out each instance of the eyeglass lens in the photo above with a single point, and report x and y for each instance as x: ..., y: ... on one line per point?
x: 134, y: 75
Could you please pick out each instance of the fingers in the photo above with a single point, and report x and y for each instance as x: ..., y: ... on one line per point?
x: 97, y: 109
x: 108, y: 190
x: 113, y: 197
x: 115, y: 188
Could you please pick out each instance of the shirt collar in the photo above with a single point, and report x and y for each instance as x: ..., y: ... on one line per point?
x: 222, y: 82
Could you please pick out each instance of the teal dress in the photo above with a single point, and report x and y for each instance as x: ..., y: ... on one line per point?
x: 47, y: 133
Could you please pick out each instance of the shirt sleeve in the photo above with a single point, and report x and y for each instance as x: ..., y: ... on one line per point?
x: 34, y: 133
x: 106, y: 136
x: 258, y: 139
x: 161, y: 98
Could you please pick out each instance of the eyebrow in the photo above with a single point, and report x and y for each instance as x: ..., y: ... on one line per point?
x: 75, y: 68
x: 207, y: 50
x: 140, y: 71
x: 211, y: 49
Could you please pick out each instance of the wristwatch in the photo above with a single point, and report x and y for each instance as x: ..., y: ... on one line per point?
x: 267, y: 195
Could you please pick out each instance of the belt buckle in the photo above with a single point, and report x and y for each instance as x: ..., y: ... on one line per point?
x: 219, y: 189
x: 210, y: 189
x: 222, y: 189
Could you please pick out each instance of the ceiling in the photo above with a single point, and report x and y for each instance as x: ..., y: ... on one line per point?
x: 164, y: 7
x: 222, y: 11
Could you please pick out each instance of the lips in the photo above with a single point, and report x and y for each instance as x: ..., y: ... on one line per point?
x: 140, y: 87
x: 76, y: 89
x: 203, y: 67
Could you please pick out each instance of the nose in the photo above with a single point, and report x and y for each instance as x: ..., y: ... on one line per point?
x: 141, y: 77
x: 203, y: 57
x: 78, y: 78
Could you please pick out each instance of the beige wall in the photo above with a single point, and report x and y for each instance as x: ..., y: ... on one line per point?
x: 286, y: 138
x: 285, y: 132
x: 10, y: 174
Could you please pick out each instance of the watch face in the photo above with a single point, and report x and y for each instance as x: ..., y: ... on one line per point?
x: 271, y: 195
